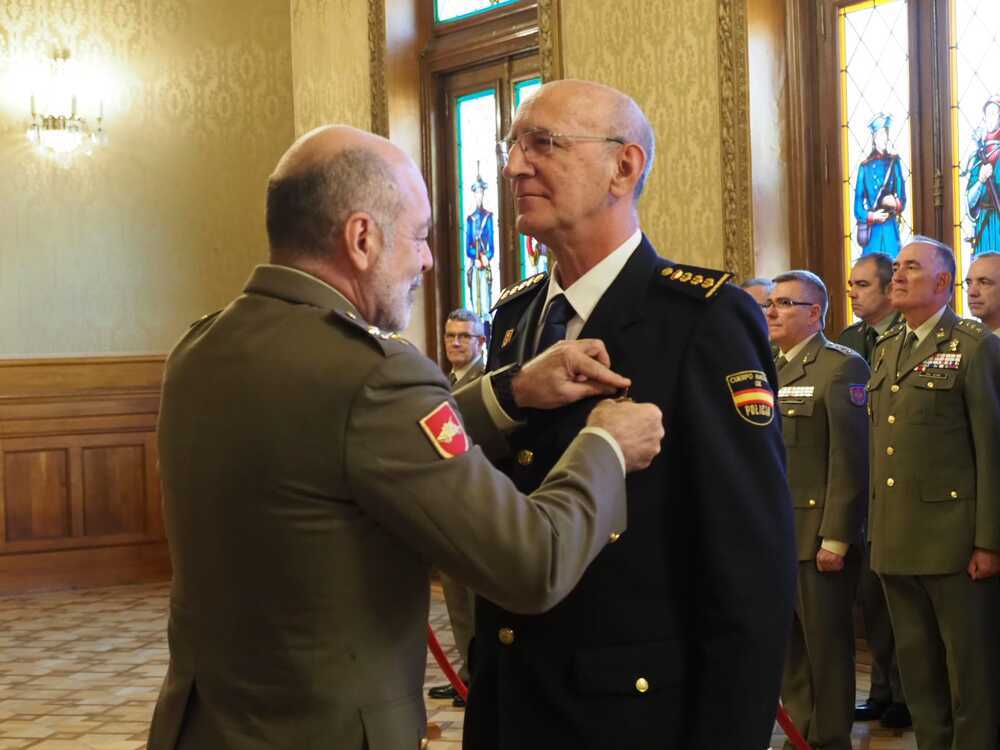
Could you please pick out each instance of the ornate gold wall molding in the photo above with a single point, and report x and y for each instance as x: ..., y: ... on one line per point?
x: 376, y: 65
x: 549, y: 46
x: 734, y: 111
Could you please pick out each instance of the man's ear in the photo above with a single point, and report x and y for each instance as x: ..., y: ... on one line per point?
x: 628, y: 169
x: 944, y: 282
x: 362, y: 240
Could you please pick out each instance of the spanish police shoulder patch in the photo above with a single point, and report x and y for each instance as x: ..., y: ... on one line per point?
x: 516, y: 290
x: 445, y: 431
x: 752, y: 396
x: 701, y: 283
x: 858, y: 393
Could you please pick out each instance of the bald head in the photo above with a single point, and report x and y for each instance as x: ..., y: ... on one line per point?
x: 325, y: 176
x: 590, y: 107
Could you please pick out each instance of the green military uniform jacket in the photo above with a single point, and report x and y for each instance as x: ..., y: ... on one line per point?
x: 857, y: 338
x: 304, y: 501
x: 822, y: 400
x: 935, y: 479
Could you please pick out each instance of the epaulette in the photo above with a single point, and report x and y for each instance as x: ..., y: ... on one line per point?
x: 384, y: 339
x: 516, y: 290
x: 700, y: 283
x: 845, y: 350
x: 890, y: 332
x: 204, y: 319
x: 973, y: 328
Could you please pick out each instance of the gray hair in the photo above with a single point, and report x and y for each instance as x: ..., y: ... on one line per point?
x: 759, y: 281
x: 461, y: 315
x: 306, y: 210
x: 883, y: 267
x: 812, y: 281
x: 985, y: 254
x: 944, y: 254
x: 632, y: 125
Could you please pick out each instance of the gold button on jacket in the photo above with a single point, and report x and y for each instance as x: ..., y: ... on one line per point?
x: 642, y: 685
x: 506, y: 636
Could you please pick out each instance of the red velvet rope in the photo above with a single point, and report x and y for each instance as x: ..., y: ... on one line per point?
x: 790, y: 731
x: 784, y: 720
x: 442, y: 660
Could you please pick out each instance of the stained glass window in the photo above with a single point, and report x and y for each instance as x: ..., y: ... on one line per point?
x: 875, y: 127
x: 478, y: 217
x: 452, y: 10
x: 975, y: 126
x: 533, y: 254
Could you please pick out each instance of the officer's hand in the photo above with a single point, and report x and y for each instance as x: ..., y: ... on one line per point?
x: 638, y: 428
x: 829, y: 562
x: 878, y: 217
x: 985, y: 172
x: 566, y: 372
x: 984, y: 564
x: 891, y: 202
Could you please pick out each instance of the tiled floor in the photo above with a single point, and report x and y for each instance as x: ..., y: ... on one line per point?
x: 80, y: 670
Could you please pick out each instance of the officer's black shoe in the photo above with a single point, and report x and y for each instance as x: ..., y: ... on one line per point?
x: 457, y: 702
x: 896, y: 716
x: 442, y: 692
x: 869, y: 710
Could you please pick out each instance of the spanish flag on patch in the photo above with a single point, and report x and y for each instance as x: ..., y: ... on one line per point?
x: 752, y: 396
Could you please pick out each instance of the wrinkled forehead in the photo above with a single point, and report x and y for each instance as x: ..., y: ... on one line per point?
x: 989, y: 266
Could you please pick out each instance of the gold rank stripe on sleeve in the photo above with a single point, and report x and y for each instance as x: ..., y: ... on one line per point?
x: 699, y: 282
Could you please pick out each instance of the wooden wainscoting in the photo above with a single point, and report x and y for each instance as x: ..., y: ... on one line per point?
x: 79, y: 490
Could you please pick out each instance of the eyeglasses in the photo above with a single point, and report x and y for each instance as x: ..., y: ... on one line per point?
x: 463, y: 338
x: 784, y: 303
x: 542, y: 142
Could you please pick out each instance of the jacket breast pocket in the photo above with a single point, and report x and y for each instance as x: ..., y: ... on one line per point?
x: 629, y: 669
x: 793, y: 411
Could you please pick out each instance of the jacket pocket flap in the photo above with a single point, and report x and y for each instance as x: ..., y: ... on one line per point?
x: 936, y: 491
x: 630, y: 669
x: 797, y: 407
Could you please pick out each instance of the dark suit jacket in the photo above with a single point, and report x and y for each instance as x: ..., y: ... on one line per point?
x: 304, y: 501
x: 675, y: 637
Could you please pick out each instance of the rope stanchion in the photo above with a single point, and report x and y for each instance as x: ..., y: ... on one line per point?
x: 442, y: 660
x: 788, y: 727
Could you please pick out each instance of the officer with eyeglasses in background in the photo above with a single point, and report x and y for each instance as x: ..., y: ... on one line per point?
x: 675, y: 635
x: 822, y: 400
x: 464, y: 339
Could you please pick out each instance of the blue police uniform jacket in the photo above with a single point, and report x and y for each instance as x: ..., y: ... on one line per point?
x: 676, y: 634
x: 871, y: 176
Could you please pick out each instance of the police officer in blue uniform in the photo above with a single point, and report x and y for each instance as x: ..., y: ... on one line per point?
x: 879, y: 193
x: 675, y: 636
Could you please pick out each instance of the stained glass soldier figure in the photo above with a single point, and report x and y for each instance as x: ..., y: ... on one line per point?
x: 879, y: 193
x: 538, y: 255
x: 983, y: 187
x: 479, y: 251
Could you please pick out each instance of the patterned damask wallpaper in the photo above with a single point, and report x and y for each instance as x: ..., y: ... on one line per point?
x: 120, y: 252
x: 665, y: 55
x: 330, y: 63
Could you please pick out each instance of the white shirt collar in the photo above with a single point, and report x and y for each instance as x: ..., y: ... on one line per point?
x: 586, y: 291
x: 926, y: 327
x: 797, y: 349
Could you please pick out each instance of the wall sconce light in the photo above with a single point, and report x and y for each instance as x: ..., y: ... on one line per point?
x: 57, y: 128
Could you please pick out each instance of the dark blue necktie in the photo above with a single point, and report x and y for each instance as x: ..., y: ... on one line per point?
x: 560, y: 312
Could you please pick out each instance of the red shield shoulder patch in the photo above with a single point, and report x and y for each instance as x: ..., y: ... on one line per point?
x: 859, y: 395
x: 445, y: 431
x: 752, y: 396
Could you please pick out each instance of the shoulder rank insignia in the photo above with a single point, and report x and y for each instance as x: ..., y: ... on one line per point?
x: 845, y: 350
x: 204, y: 319
x: 445, y: 431
x: 891, y: 331
x: 702, y: 283
x: 971, y: 326
x: 516, y: 290
x: 375, y: 332
x: 752, y: 396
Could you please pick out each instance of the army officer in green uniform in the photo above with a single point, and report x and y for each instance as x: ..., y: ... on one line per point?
x: 822, y: 402
x: 313, y: 465
x: 935, y: 505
